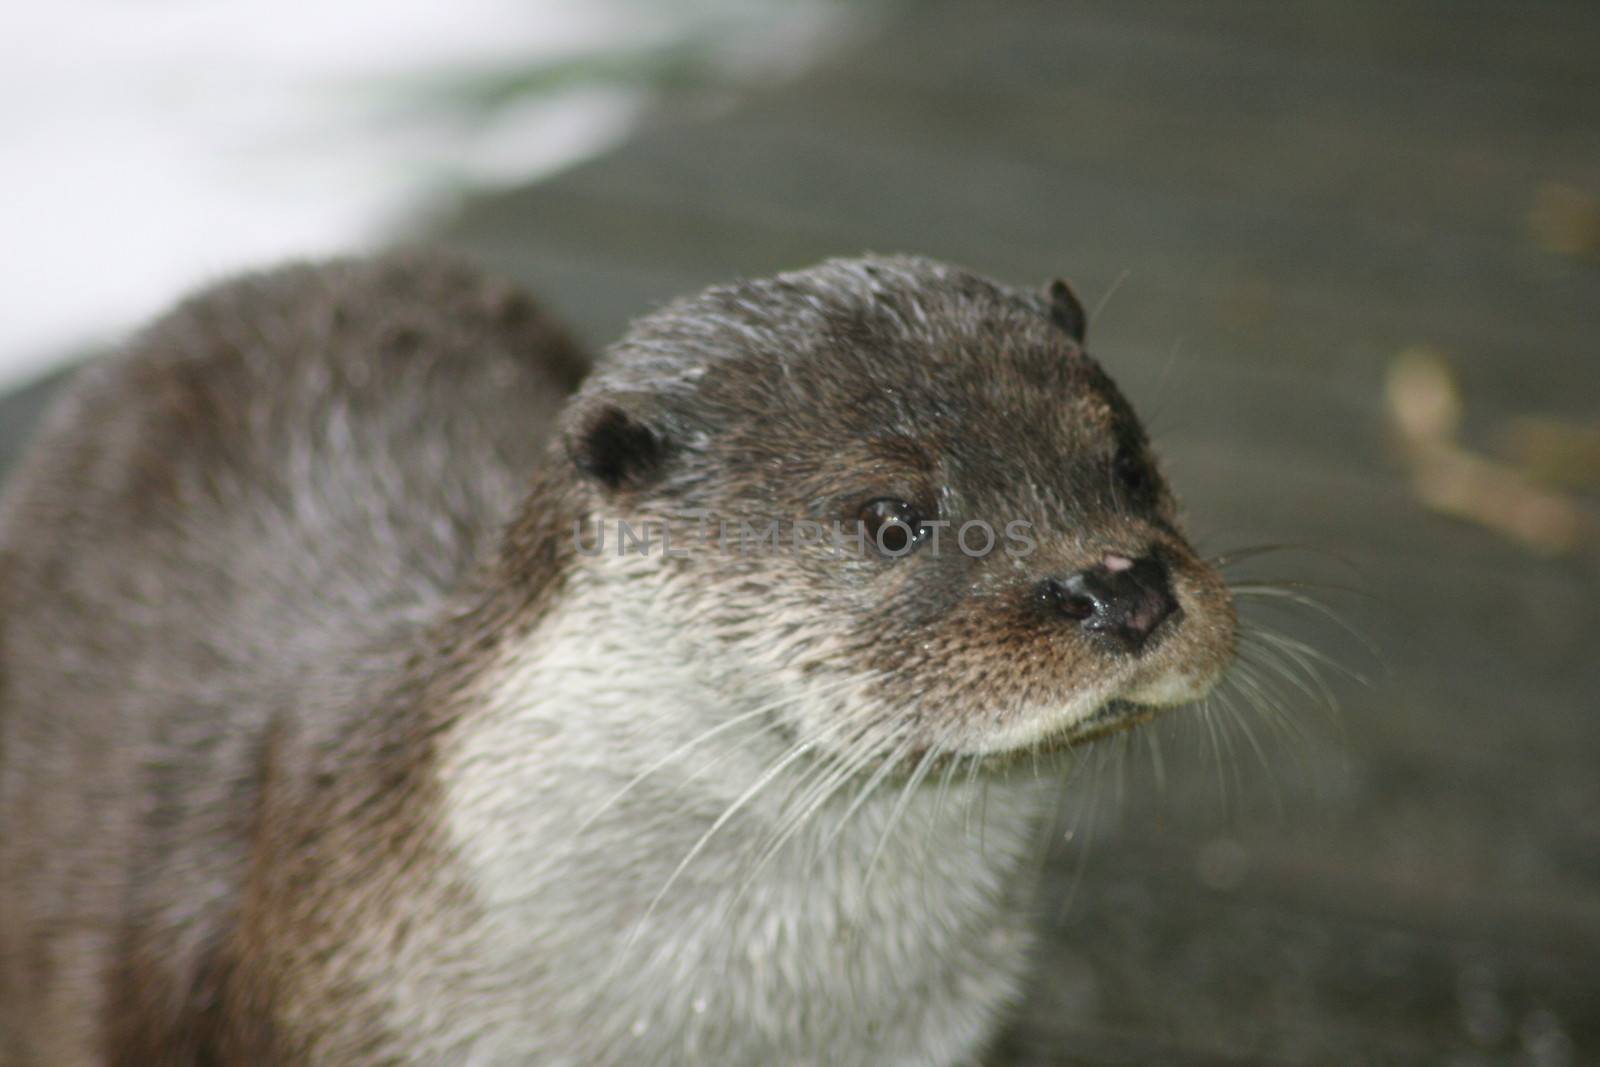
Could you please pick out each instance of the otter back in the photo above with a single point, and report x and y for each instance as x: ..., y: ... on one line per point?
x: 216, y: 530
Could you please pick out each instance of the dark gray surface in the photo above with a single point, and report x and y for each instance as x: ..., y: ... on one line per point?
x: 1289, y: 195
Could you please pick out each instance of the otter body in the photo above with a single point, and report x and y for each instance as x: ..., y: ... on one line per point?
x: 325, y: 739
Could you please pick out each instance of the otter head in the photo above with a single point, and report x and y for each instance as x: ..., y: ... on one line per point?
x: 902, y: 504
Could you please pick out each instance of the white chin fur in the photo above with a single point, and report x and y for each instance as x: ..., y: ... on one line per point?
x: 1174, y: 687
x: 1169, y: 690
x: 1039, y: 723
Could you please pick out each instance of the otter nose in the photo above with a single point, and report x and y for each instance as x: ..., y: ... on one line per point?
x: 1122, y: 600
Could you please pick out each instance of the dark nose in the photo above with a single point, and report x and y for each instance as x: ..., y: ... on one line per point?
x: 1122, y: 600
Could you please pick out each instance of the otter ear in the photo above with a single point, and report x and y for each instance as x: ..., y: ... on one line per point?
x: 610, y: 441
x: 1066, y: 310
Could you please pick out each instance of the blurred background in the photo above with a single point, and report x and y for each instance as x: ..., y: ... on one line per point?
x: 1345, y: 257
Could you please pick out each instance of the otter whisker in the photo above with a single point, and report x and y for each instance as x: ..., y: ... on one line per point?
x: 1251, y: 739
x: 1100, y: 307
x: 1259, y: 585
x: 1293, y: 668
x: 701, y: 739
x: 913, y: 783
x: 762, y: 781
x: 1303, y: 652
x: 885, y: 768
x: 1222, y: 753
x: 1262, y: 680
x: 673, y: 755
x: 1084, y: 819
x: 1270, y: 715
x: 1120, y: 766
x: 1049, y: 829
x: 818, y: 784
x: 972, y: 784
x: 1229, y: 558
x: 1272, y: 662
x: 1157, y: 422
x: 1289, y: 594
x: 1248, y: 681
x: 1227, y: 721
x: 952, y: 768
x: 1223, y: 560
x: 835, y: 771
x: 1158, y: 766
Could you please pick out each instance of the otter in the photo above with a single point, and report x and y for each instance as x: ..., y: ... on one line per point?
x: 333, y: 730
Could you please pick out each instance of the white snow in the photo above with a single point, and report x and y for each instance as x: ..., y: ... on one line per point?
x: 147, y: 146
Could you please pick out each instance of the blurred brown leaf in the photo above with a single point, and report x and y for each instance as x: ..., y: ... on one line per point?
x: 1425, y: 408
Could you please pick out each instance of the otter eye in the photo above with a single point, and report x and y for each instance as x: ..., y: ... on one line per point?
x: 894, y: 526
